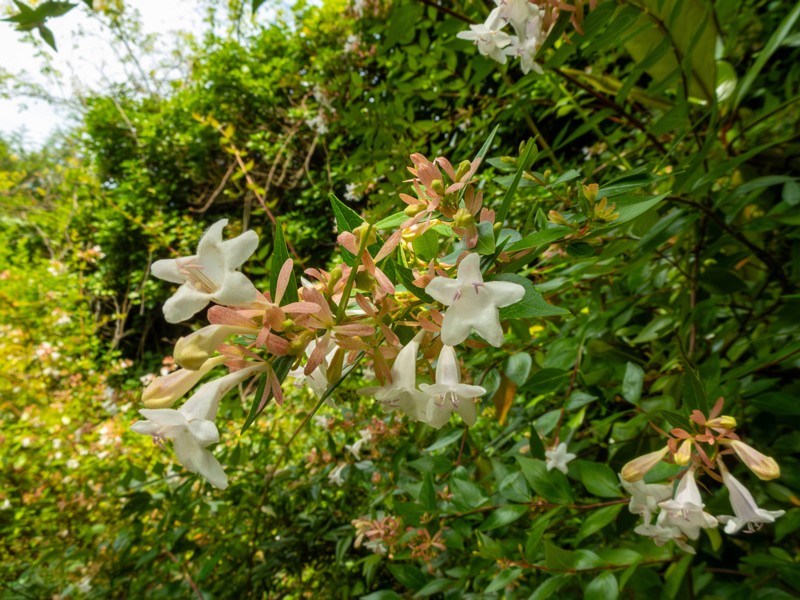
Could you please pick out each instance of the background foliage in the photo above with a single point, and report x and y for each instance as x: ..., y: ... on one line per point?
x: 686, y: 116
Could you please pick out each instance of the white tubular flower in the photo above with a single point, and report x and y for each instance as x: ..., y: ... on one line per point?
x: 209, y: 275
x: 685, y: 510
x: 473, y: 303
x: 645, y: 496
x: 335, y: 476
x: 402, y: 393
x: 488, y: 37
x: 748, y: 515
x: 558, y: 458
x: 662, y: 534
x: 191, y: 428
x: 448, y: 394
x: 164, y: 391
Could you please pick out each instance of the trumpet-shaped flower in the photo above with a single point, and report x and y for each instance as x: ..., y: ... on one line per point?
x: 558, y: 457
x: 473, y: 303
x: 210, y: 275
x: 191, y: 428
x: 748, y: 515
x: 402, y: 393
x: 685, y: 510
x: 448, y: 394
x: 645, y: 496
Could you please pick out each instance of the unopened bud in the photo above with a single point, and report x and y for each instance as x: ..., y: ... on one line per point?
x: 437, y: 185
x: 765, y: 467
x: 463, y: 218
x: 164, y: 391
x: 463, y: 169
x: 413, y: 210
x: 555, y: 217
x: 684, y: 453
x: 192, y: 351
x: 362, y: 230
x: 638, y: 467
x: 722, y: 422
x: 590, y: 191
x: 336, y: 276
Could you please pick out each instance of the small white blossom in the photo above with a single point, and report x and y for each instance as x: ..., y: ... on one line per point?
x: 558, y: 458
x: 645, y: 496
x: 448, y: 394
x: 402, y: 393
x: 335, y: 476
x: 488, y: 37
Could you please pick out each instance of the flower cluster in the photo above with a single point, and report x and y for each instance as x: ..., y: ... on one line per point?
x: 525, y: 18
x: 316, y: 334
x: 701, y: 450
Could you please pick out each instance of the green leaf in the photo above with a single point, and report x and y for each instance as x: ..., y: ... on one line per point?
x: 552, y: 584
x: 382, y: 595
x: 434, y: 587
x: 597, y: 477
x: 676, y: 576
x: 629, y: 207
x: 694, y: 396
x: 532, y: 304
x: 534, y: 536
x: 426, y: 246
x: 427, y: 495
x: 547, y: 380
x: 503, y: 516
x: 632, y: 382
x: 408, y: 575
x: 557, y: 558
x: 486, y: 241
x: 602, y: 587
x: 346, y: 218
x: 445, y: 440
x: 597, y: 520
x: 503, y: 579
x: 775, y: 41
x: 280, y: 255
x: 518, y: 367
x: 514, y: 488
x: 550, y: 485
x: 540, y: 238
x: 466, y: 494
x: 528, y: 156
x: 48, y: 37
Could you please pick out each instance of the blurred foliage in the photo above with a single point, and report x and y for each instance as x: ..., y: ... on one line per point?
x: 691, y: 295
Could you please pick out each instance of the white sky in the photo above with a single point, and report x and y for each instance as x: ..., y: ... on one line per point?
x: 83, y: 61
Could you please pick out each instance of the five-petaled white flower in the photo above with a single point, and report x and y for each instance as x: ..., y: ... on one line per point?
x: 473, y: 303
x: 402, y: 393
x: 448, y: 394
x: 210, y: 275
x: 661, y: 534
x: 191, y: 428
x: 685, y: 510
x: 748, y: 515
x: 488, y: 37
x: 558, y: 457
x: 645, y: 496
